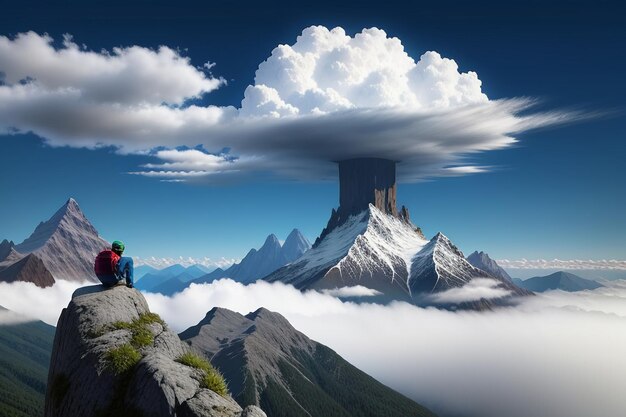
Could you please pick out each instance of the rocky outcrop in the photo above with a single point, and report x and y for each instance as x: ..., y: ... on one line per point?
x: 27, y: 269
x: 112, y: 357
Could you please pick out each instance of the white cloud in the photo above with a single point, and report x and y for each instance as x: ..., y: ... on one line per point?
x: 328, y: 96
x: 355, y: 291
x: 160, y: 263
x: 8, y: 318
x: 327, y: 70
x: 130, y: 76
x: 611, y: 264
x: 44, y: 304
x: 557, y: 354
x: 476, y: 289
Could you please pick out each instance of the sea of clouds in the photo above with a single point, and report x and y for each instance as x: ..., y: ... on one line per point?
x: 557, y: 354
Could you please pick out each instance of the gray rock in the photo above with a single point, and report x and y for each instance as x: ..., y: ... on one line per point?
x: 82, y: 383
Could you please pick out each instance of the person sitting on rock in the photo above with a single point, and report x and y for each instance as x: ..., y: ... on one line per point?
x: 112, y: 268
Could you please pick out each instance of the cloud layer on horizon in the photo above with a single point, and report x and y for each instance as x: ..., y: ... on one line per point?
x: 610, y: 264
x: 328, y: 96
x: 557, y: 354
x: 160, y: 263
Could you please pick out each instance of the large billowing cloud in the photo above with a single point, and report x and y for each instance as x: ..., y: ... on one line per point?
x: 329, y: 96
x: 556, y: 354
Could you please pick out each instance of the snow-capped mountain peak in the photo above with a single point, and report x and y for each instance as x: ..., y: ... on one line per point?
x: 371, y: 248
x: 383, y: 253
x: 440, y: 266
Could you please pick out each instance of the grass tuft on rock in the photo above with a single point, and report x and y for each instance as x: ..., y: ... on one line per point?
x: 211, y: 379
x: 215, y: 381
x: 123, y: 358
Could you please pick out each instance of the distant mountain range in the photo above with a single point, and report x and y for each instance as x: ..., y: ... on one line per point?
x: 561, y: 280
x: 25, y: 350
x: 270, y: 364
x: 256, y: 264
x: 63, y: 247
x: 152, y: 280
x: 382, y: 252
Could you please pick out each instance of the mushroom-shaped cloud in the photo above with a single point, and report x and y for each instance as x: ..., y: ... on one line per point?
x: 327, y: 97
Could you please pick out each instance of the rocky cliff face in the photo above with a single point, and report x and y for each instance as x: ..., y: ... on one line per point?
x: 112, y: 357
x: 365, y: 181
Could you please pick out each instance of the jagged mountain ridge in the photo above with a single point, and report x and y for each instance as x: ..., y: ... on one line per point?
x: 269, y: 363
x: 384, y: 253
x: 67, y: 243
x: 256, y: 264
x: 268, y: 258
x: 481, y: 260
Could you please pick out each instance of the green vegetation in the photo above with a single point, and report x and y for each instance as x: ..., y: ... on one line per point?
x: 25, y: 351
x: 211, y: 379
x: 141, y: 334
x: 123, y: 358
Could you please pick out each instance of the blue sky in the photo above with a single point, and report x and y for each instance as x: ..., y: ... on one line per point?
x: 557, y: 193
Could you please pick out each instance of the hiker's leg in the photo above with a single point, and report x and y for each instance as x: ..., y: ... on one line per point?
x: 127, y: 270
x: 108, y: 280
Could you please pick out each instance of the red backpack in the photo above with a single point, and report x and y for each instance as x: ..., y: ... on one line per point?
x: 106, y: 263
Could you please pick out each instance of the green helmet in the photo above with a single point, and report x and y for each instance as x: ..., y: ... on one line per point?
x: 117, y: 246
